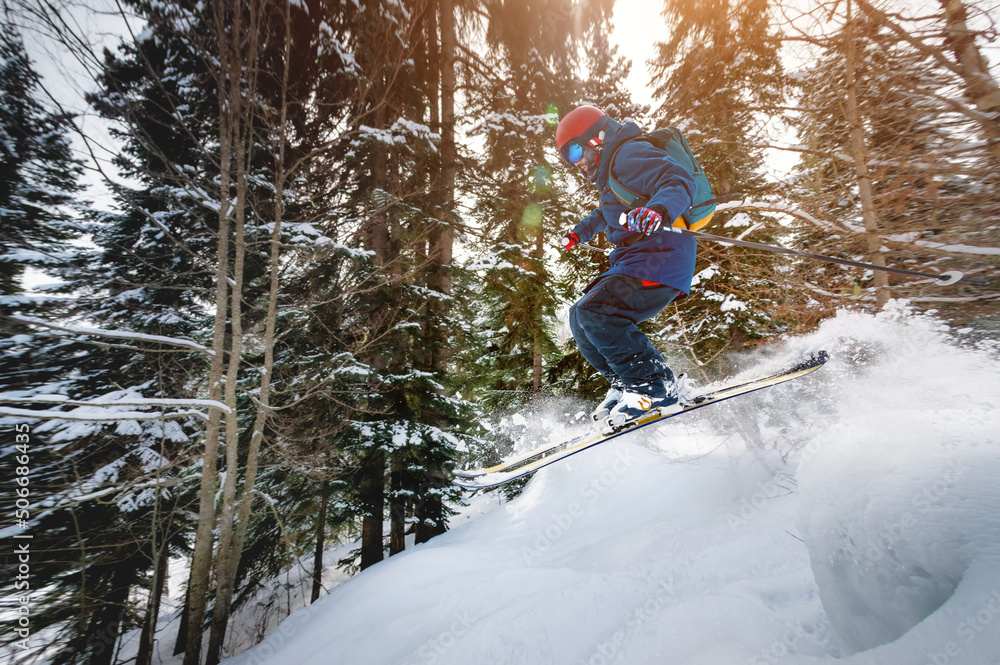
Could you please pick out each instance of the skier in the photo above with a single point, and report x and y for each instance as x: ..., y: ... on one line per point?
x: 649, y: 269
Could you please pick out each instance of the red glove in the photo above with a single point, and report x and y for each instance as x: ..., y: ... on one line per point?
x: 570, y: 240
x: 642, y: 220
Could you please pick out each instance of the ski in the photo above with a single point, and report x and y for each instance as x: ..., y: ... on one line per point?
x: 497, y: 475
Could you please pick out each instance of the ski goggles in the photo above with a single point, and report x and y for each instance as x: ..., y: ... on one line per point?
x: 580, y: 147
x: 572, y: 152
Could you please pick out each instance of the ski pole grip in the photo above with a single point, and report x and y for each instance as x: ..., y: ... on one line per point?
x: 662, y: 226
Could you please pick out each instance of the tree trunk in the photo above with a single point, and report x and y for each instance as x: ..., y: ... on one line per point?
x: 378, y: 230
x: 182, y: 630
x: 536, y: 365
x: 317, y: 574
x: 270, y: 326
x: 397, y: 506
x: 236, y: 67
x: 859, y: 153
x: 106, y: 623
x: 372, y: 482
x: 433, y: 68
x: 201, y: 559
x: 444, y: 247
x: 148, y: 634
x: 442, y: 239
x: 373, y: 500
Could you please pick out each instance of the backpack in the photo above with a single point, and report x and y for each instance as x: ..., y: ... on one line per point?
x: 670, y: 140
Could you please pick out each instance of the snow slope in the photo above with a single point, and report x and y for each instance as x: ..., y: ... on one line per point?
x: 852, y: 516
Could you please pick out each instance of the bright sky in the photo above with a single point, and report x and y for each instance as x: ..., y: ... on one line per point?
x: 638, y: 26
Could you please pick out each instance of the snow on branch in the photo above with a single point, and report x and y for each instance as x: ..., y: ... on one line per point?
x: 763, y: 206
x: 139, y: 401
x: 840, y: 226
x: 803, y: 149
x: 99, y: 415
x: 117, y: 334
x: 958, y: 249
x: 901, y: 163
x: 913, y: 239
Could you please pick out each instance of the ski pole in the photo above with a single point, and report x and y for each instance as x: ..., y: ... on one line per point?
x: 944, y: 279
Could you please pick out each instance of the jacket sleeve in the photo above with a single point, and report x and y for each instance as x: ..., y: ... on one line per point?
x: 649, y: 171
x: 589, y: 226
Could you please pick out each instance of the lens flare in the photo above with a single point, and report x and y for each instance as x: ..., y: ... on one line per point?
x: 531, y: 218
x: 541, y: 178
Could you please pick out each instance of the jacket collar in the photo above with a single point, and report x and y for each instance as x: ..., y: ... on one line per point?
x: 615, y: 134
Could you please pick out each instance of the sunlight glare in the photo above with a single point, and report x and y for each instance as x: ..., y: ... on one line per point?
x: 637, y: 27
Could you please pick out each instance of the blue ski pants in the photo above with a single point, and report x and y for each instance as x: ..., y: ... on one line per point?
x: 604, y: 324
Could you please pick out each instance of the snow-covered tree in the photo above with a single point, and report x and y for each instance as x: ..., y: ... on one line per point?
x: 38, y: 186
x: 523, y: 192
x: 929, y: 185
x: 38, y: 174
x: 716, y: 79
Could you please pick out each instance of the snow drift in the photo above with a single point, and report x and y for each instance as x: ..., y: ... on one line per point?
x: 852, y: 516
x: 901, y: 505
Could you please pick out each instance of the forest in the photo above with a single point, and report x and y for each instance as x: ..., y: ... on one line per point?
x: 330, y: 266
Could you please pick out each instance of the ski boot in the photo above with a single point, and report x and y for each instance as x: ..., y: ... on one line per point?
x: 632, y: 406
x: 603, y: 410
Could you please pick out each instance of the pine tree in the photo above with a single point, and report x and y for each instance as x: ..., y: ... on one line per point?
x: 38, y: 185
x: 522, y: 200
x: 38, y: 174
x: 369, y: 353
x: 118, y: 489
x: 921, y: 177
x: 717, y: 77
x: 35, y: 230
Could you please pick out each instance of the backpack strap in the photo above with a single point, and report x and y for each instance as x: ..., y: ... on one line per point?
x: 621, y: 192
x: 633, y: 200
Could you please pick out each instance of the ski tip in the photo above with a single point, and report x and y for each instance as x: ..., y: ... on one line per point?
x: 950, y: 277
x: 814, y: 359
x: 479, y: 484
x: 468, y: 473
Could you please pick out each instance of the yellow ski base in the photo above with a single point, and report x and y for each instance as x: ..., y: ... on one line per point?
x: 499, y: 474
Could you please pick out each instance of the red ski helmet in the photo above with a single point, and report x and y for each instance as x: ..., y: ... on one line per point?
x: 585, y: 123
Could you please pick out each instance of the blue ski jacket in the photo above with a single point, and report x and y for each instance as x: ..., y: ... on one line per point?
x: 663, y: 257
